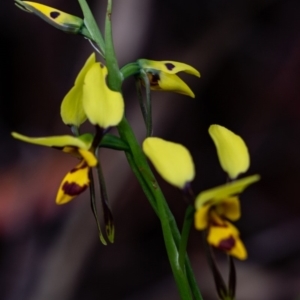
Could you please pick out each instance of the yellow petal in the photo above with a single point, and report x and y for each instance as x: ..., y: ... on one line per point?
x: 55, y: 141
x: 229, y: 208
x: 222, y: 192
x: 168, y: 66
x: 172, y: 83
x: 74, y: 183
x: 89, y: 157
x: 102, y: 106
x: 171, y: 160
x: 53, y: 16
x: 201, y: 216
x: 88, y: 64
x: 71, y: 110
x: 226, y: 238
x: 232, y: 150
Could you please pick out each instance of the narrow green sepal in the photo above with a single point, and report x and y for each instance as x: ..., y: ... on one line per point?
x: 113, y: 142
x: 94, y: 208
x: 108, y: 217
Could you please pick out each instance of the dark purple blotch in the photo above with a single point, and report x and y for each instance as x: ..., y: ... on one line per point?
x: 169, y: 66
x: 73, y: 189
x: 54, y: 14
x: 227, y: 244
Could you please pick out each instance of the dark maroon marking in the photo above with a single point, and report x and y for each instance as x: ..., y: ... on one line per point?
x: 73, y: 189
x: 227, y: 244
x: 153, y: 79
x: 101, y: 65
x: 54, y: 14
x: 81, y: 167
x: 169, y: 66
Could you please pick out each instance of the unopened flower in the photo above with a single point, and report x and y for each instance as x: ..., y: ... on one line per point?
x: 53, y: 16
x: 162, y: 75
x: 232, y: 151
x: 90, y: 98
x: 77, y: 180
x: 171, y: 160
x: 217, y: 205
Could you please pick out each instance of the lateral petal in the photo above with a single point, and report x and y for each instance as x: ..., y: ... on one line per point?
x: 232, y: 151
x: 171, y: 160
x: 102, y: 106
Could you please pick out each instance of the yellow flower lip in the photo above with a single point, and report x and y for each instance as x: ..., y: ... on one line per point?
x: 74, y: 183
x: 162, y: 75
x: 232, y: 151
x: 171, y: 160
x: 53, y: 16
x: 226, y: 238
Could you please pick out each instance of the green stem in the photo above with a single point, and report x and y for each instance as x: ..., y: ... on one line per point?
x: 171, y: 234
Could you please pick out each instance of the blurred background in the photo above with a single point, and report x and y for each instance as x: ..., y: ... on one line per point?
x: 248, y: 53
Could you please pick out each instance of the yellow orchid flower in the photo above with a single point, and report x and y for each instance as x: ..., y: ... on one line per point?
x: 232, y: 151
x: 214, y: 207
x: 53, y: 16
x: 77, y: 180
x: 162, y: 75
x: 171, y: 160
x: 90, y: 98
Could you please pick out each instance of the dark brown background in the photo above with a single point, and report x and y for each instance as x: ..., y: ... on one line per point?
x: 248, y: 53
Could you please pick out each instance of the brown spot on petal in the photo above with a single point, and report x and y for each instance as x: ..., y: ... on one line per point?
x: 153, y: 79
x: 227, y: 244
x: 169, y: 66
x: 81, y: 166
x: 101, y: 65
x: 54, y: 14
x: 73, y: 189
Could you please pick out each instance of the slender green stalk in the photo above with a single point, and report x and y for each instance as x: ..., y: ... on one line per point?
x: 144, y: 175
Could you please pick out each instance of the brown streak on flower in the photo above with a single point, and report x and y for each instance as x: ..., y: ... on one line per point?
x: 227, y: 244
x: 73, y: 189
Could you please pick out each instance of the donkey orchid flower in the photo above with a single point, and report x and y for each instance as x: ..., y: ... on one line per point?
x: 90, y: 98
x: 162, y: 75
x: 217, y: 205
x: 77, y: 180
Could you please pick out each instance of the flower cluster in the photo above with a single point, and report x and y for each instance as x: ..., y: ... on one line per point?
x: 216, y: 207
x: 90, y: 98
